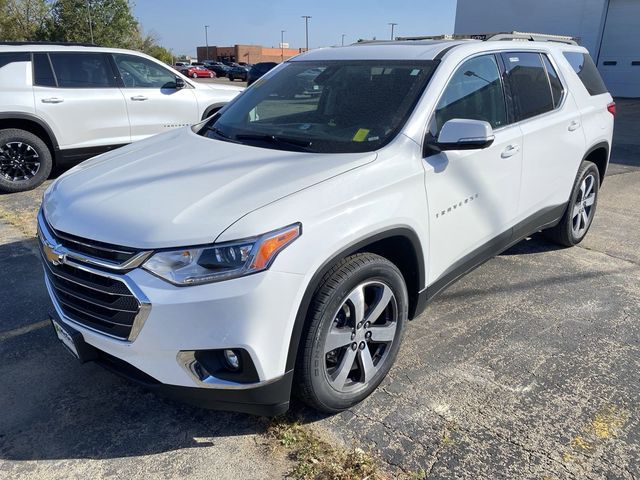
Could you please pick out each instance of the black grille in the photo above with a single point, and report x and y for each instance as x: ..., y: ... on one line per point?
x: 92, y: 248
x: 100, y: 302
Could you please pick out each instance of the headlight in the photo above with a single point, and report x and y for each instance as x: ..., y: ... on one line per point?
x: 194, y: 266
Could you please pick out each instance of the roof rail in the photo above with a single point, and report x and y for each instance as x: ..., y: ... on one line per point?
x: 68, y: 44
x: 497, y: 36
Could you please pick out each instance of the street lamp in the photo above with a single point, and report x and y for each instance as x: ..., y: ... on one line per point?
x: 343, y: 35
x: 392, y: 25
x: 306, y: 29
x: 282, y: 44
x: 206, y: 39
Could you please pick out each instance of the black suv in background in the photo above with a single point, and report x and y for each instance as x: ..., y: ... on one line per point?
x: 258, y: 70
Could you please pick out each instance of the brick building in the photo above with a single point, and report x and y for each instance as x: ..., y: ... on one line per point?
x: 246, y: 53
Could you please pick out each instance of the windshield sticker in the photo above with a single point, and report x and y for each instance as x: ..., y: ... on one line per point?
x: 361, y: 135
x: 415, y: 72
x: 373, y: 139
x: 514, y: 59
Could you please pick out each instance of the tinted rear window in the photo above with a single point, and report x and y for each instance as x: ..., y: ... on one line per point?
x: 7, y: 58
x: 42, y: 73
x: 529, y: 84
x: 82, y: 70
x: 587, y: 72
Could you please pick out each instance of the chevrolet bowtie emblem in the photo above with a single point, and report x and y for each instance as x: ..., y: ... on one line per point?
x: 53, y: 255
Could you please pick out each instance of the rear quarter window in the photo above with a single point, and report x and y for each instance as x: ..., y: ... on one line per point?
x: 586, y: 71
x: 12, y: 57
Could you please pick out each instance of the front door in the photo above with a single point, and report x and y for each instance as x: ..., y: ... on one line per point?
x: 472, y: 194
x: 154, y: 103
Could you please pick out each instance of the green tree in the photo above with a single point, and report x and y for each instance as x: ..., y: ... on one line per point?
x: 23, y: 20
x: 109, y: 23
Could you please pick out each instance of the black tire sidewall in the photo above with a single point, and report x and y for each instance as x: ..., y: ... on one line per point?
x: 586, y: 169
x: 44, y: 154
x: 327, y: 396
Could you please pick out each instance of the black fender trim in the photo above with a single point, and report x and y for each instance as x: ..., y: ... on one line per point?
x: 356, y: 246
x: 595, y: 147
x: 34, y: 119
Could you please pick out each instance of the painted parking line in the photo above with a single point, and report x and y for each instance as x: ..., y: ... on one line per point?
x: 16, y: 332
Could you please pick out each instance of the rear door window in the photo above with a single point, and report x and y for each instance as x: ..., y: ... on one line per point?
x: 42, y: 72
x: 557, y: 90
x: 475, y: 93
x: 82, y: 70
x: 529, y: 84
x: 587, y: 72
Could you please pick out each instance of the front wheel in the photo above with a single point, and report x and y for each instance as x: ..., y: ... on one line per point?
x: 211, y: 75
x: 581, y: 208
x: 195, y: 75
x: 356, y: 323
x: 25, y: 160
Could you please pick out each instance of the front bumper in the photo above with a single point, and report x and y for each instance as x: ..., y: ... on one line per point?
x: 254, y: 313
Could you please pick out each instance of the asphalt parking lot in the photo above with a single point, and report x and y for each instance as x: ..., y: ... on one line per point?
x: 526, y: 368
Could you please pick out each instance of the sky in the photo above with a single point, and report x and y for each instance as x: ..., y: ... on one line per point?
x: 179, y: 24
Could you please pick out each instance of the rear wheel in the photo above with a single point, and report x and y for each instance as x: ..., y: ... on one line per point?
x: 356, y: 323
x: 581, y: 209
x: 25, y: 160
x: 194, y: 75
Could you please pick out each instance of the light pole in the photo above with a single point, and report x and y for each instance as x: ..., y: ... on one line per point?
x: 392, y: 25
x: 206, y: 40
x: 306, y: 30
x: 343, y: 35
x: 89, y: 15
x: 282, y: 44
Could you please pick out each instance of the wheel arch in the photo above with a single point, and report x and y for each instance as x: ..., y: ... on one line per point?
x: 33, y: 124
x: 599, y: 154
x: 399, y: 245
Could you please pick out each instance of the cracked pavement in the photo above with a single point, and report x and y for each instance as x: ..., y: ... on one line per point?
x: 526, y: 368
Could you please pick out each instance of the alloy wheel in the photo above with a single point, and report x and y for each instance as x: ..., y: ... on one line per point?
x: 360, y: 337
x: 583, y: 207
x: 18, y: 161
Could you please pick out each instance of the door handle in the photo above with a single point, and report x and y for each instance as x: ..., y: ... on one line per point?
x: 139, y: 98
x: 52, y: 100
x: 574, y: 125
x: 510, y: 151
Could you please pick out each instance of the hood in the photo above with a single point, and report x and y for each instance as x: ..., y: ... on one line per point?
x: 180, y: 189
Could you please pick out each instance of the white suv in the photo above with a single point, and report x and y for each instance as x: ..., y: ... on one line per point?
x: 60, y: 104
x: 317, y: 213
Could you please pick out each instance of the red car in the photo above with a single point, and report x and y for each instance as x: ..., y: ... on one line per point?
x: 197, y: 72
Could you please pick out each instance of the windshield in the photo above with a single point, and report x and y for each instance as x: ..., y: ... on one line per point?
x: 326, y: 107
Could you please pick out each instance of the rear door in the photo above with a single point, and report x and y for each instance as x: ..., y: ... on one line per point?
x: 473, y: 194
x: 153, y: 102
x: 77, y: 96
x: 553, y: 136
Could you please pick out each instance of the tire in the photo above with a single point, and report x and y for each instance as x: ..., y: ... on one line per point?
x: 211, y: 75
x: 577, y: 218
x: 231, y: 78
x: 194, y: 75
x: 33, y: 157
x: 372, y: 336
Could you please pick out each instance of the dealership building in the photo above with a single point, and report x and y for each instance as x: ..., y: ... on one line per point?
x: 609, y: 29
x: 246, y: 53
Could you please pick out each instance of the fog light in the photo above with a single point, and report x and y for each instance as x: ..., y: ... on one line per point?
x: 232, y: 360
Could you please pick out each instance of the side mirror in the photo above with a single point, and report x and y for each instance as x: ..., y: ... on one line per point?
x: 463, y: 134
x: 180, y: 83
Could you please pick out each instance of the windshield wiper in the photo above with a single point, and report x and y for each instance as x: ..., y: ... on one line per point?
x: 296, y: 142
x: 220, y: 133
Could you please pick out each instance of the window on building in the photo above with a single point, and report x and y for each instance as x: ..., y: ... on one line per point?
x: 529, y: 84
x: 82, y: 70
x: 474, y: 92
x: 587, y: 72
x: 42, y: 73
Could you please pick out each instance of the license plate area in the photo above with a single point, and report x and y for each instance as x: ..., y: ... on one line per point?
x: 73, y: 341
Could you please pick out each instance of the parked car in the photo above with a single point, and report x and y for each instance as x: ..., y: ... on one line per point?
x: 60, y: 104
x: 180, y: 65
x: 297, y: 238
x: 258, y: 70
x: 198, y: 72
x: 220, y: 69
x: 239, y: 72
